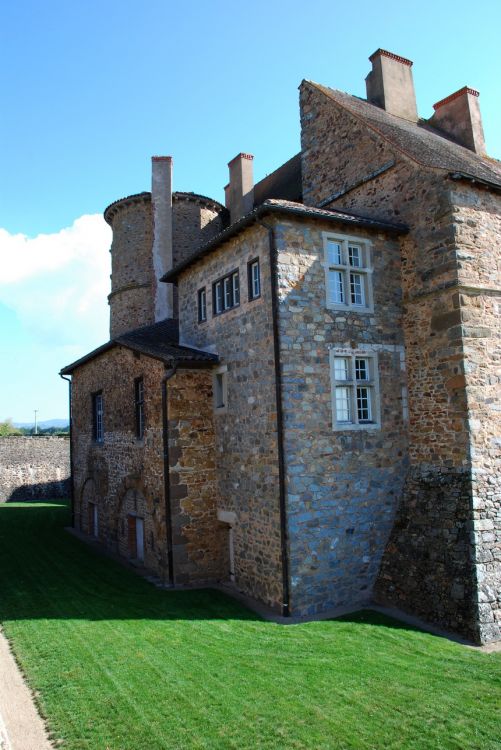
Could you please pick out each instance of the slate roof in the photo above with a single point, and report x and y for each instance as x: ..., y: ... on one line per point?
x: 159, y: 341
x: 273, y: 205
x: 423, y: 143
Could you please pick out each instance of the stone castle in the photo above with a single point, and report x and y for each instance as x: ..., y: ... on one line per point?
x: 300, y: 397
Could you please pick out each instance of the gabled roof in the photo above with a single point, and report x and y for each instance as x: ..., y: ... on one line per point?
x: 289, y: 208
x: 420, y: 141
x: 159, y: 341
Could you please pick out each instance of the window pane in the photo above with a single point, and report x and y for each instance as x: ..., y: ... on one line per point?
x: 228, y: 293
x: 357, y: 289
x: 236, y: 289
x: 361, y: 369
x: 334, y: 255
x: 256, y: 286
x: 343, y: 411
x: 355, y: 256
x: 219, y: 297
x: 341, y: 368
x: 363, y: 404
x: 336, y: 287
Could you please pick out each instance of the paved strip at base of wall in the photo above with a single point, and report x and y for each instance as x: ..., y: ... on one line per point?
x: 21, y: 727
x: 34, y: 468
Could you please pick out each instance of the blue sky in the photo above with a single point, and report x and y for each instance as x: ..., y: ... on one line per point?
x: 91, y: 90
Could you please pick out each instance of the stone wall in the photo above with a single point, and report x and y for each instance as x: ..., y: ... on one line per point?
x: 199, y: 540
x: 123, y: 474
x: 33, y: 468
x: 477, y: 224
x: 343, y: 486
x: 246, y: 432
x: 450, y: 253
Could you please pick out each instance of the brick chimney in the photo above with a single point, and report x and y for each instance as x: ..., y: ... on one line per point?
x: 161, y: 204
x: 459, y: 116
x: 390, y: 85
x: 239, y: 194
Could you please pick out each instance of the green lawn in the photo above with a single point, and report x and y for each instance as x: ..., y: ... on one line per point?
x: 119, y: 665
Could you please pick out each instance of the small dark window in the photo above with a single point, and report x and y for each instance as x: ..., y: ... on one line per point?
x: 202, y: 305
x: 97, y: 417
x: 254, y: 279
x: 139, y: 407
x: 226, y: 293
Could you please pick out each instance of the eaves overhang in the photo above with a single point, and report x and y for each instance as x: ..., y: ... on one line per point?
x: 284, y: 208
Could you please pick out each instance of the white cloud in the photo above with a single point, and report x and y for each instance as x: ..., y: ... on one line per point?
x: 58, y: 283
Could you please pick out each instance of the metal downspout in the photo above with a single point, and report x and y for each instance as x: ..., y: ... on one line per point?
x: 166, y: 464
x: 280, y: 435
x: 72, y: 475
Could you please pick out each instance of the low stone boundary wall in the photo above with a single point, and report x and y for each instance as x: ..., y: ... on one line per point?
x: 33, y: 468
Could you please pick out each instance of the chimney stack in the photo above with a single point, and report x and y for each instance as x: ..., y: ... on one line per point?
x: 390, y: 85
x: 161, y: 203
x: 459, y: 116
x: 239, y: 194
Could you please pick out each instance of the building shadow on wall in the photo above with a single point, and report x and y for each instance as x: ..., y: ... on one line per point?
x: 48, y: 573
x: 40, y: 491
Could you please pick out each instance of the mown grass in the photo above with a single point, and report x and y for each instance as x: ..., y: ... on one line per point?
x: 119, y: 665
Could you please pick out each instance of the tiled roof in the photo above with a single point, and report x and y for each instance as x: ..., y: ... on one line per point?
x: 423, y: 143
x: 274, y: 205
x: 159, y: 341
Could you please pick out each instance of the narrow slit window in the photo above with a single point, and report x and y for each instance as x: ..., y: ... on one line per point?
x: 254, y: 279
x: 202, y: 305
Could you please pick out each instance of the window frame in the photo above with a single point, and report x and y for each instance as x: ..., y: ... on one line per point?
x: 98, y: 417
x: 347, y: 271
x: 202, y: 305
x: 222, y: 373
x: 229, y: 286
x: 250, y: 279
x: 355, y: 386
x: 139, y: 411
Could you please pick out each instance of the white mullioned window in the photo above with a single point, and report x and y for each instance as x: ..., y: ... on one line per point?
x: 348, y: 272
x: 355, y: 389
x: 226, y: 293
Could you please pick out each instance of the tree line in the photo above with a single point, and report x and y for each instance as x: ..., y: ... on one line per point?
x: 7, y: 429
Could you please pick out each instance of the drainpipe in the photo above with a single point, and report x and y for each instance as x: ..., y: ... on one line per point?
x: 165, y: 436
x: 280, y: 432
x: 72, y: 489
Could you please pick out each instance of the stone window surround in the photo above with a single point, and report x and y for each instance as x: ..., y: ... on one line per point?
x: 365, y: 271
x: 250, y: 280
x: 97, y: 417
x: 373, y: 384
x: 220, y: 388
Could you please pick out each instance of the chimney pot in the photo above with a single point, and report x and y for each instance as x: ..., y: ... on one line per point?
x: 390, y: 85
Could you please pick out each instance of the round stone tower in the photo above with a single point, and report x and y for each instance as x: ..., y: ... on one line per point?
x: 152, y: 232
x: 195, y: 220
x: 131, y: 301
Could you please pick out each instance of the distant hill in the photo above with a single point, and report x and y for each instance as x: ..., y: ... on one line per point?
x: 45, y: 424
